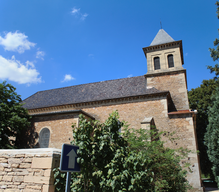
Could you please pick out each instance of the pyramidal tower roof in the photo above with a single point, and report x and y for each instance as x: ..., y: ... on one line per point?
x: 161, y: 38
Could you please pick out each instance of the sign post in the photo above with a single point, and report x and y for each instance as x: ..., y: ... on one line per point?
x: 68, y: 162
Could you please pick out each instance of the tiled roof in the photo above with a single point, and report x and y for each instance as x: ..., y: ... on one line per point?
x: 161, y: 38
x: 89, y: 92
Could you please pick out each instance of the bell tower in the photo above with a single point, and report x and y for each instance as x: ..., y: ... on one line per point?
x: 164, y: 68
x: 164, y: 54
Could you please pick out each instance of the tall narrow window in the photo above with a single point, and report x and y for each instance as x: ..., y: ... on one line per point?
x: 44, y: 138
x: 156, y: 63
x: 170, y: 61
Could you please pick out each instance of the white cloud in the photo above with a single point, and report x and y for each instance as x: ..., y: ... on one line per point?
x: 28, y: 63
x: 40, y: 54
x: 83, y: 16
x: 68, y: 78
x: 13, y: 70
x: 130, y: 76
x: 91, y: 55
x: 77, y: 13
x: 16, y: 42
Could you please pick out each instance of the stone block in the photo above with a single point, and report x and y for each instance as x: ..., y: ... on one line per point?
x: 15, y: 160
x: 16, y: 184
x: 8, y: 170
x: 18, y: 178
x: 37, y: 179
x: 3, y: 165
x: 7, y: 178
x: 38, y: 187
x: 14, y: 165
x: 3, y: 183
x: 25, y: 165
x: 22, y: 186
x: 3, y: 160
x: 31, y: 173
x: 39, y: 173
x: 27, y: 160
x: 47, y: 173
x: 11, y: 173
x: 22, y: 172
x: 42, y: 163
x: 29, y: 155
x: 20, y: 155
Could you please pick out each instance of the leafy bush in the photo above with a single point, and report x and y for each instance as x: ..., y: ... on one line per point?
x: 132, y: 162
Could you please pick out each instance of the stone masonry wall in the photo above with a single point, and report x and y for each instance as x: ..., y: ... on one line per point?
x: 175, y: 84
x: 60, y: 127
x: 134, y: 112
x: 28, y: 170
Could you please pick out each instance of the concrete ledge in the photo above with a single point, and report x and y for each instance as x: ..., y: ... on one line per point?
x: 31, y: 151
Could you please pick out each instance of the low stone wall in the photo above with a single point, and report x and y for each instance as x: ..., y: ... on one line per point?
x: 28, y: 170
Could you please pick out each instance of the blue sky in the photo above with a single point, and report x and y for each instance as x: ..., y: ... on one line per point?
x: 56, y: 43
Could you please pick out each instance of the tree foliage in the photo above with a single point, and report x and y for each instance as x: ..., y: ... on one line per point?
x: 215, y: 51
x: 132, y: 162
x: 14, y: 118
x: 200, y: 99
x: 212, y: 135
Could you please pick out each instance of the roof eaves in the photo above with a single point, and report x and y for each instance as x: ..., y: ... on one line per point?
x: 64, y: 112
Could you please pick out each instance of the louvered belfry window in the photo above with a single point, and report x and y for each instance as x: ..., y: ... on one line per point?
x: 156, y: 63
x: 170, y: 61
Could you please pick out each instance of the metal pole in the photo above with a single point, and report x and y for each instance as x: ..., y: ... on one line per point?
x: 68, y: 181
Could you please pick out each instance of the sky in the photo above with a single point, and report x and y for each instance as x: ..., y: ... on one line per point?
x: 58, y: 43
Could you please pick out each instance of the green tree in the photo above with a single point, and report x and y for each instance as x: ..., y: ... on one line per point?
x: 200, y: 99
x: 131, y: 162
x: 204, y: 117
x: 215, y: 51
x: 14, y: 119
x: 212, y: 135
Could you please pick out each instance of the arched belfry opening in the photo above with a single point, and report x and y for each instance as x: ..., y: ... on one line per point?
x: 170, y: 60
x: 156, y: 63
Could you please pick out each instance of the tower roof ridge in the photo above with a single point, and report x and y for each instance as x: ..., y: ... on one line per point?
x: 161, y: 38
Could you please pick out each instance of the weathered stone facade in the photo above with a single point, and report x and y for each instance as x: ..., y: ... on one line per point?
x: 159, y: 97
x: 28, y: 170
x: 55, y: 121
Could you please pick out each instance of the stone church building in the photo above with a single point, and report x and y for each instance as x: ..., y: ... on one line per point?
x: 159, y: 97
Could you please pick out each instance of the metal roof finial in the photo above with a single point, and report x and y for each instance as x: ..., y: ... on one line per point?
x: 160, y: 24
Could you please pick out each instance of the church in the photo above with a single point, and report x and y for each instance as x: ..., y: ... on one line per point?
x: 157, y: 98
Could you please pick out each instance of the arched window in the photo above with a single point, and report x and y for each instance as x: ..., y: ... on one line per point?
x: 156, y: 63
x: 44, y: 138
x: 170, y: 61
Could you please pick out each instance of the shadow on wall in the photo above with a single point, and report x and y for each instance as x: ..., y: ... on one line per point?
x: 27, y: 138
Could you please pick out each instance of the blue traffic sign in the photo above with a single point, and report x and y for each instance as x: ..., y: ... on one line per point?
x: 68, y: 162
